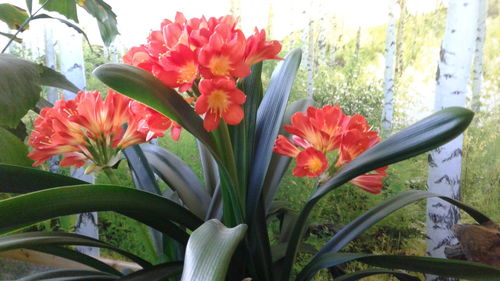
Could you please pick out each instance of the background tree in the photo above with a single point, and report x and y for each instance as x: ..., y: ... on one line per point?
x: 452, y: 75
x: 72, y: 66
x: 477, y: 71
x: 390, y: 47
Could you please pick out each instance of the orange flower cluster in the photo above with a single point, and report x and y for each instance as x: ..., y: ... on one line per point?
x: 321, y: 131
x: 213, y: 50
x: 88, y: 128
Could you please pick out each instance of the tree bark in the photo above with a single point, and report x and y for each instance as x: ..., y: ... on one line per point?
x: 477, y: 71
x: 445, y: 161
x: 50, y: 61
x: 390, y: 48
x: 310, y: 56
x: 72, y: 66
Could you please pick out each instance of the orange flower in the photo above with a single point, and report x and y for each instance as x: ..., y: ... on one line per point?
x: 258, y: 49
x: 320, y: 128
x: 320, y: 131
x: 184, y: 52
x: 224, y: 54
x: 219, y: 99
x: 88, y: 128
x: 310, y: 163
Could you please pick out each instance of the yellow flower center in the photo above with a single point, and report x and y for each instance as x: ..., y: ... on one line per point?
x: 220, y: 65
x: 314, y: 164
x: 187, y: 73
x: 218, y: 101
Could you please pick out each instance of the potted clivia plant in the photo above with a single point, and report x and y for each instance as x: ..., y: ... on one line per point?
x: 204, y: 75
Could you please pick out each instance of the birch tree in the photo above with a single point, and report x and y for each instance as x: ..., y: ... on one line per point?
x: 453, y: 71
x: 50, y: 61
x: 71, y: 65
x: 390, y: 48
x: 477, y: 70
x: 310, y: 55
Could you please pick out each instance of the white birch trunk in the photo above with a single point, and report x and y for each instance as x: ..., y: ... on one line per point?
x: 310, y: 57
x: 477, y: 70
x: 50, y: 61
x: 390, y: 50
x: 72, y: 66
x: 445, y: 162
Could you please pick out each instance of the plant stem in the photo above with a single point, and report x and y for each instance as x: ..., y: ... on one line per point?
x: 111, y: 175
x: 25, y: 23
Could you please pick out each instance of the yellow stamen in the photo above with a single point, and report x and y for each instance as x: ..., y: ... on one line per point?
x: 314, y: 164
x: 187, y: 73
x: 218, y: 101
x: 220, y: 65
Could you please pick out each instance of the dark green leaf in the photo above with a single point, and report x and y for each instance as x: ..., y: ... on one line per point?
x: 19, y: 131
x: 179, y: 176
x: 17, y: 179
x: 76, y: 256
x: 20, y: 82
x: 13, y: 16
x: 155, y: 273
x: 13, y: 151
x: 153, y: 210
x: 209, y: 251
x: 29, y: 5
x: 34, y: 239
x: 279, y: 163
x: 68, y: 274
x: 144, y: 87
x: 435, y: 266
x: 429, y: 133
x: 19, y: 88
x: 370, y: 272
x: 372, y: 216
x: 144, y: 177
x: 66, y: 22
x: 269, y: 118
x: 210, y: 168
x: 66, y: 8
x: 11, y: 36
x: 106, y: 18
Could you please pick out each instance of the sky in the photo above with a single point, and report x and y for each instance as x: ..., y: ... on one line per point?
x: 137, y: 18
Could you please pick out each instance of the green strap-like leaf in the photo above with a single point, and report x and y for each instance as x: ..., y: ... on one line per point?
x: 279, y: 163
x: 13, y: 16
x: 17, y: 179
x: 179, y: 176
x: 144, y: 177
x: 210, y: 168
x: 69, y: 274
x: 371, y: 217
x: 436, y: 266
x: 269, y: 118
x: 209, y: 251
x: 153, y: 210
x: 76, y: 256
x: 140, y: 85
x: 370, y: 272
x: 34, y: 239
x: 155, y: 273
x: 13, y: 151
x: 422, y: 136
